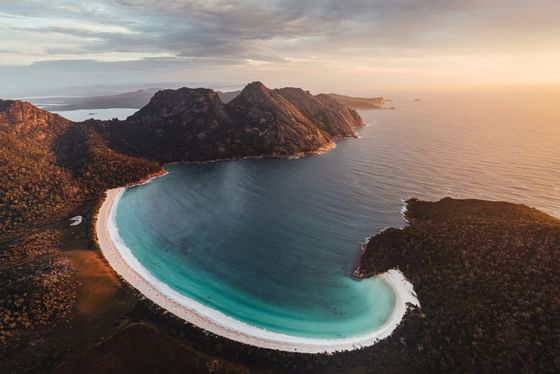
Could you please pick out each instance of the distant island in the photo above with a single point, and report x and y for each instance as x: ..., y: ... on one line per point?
x: 360, y: 102
x: 485, y: 272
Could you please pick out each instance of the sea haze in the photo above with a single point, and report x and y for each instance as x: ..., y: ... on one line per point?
x: 274, y: 242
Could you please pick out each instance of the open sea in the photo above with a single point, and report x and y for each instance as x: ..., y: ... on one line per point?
x: 273, y: 243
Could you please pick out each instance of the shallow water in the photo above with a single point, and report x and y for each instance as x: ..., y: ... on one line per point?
x: 274, y: 242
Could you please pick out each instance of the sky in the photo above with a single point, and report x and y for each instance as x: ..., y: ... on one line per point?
x: 361, y: 47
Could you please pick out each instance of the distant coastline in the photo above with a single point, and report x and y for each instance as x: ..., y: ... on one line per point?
x: 137, y: 99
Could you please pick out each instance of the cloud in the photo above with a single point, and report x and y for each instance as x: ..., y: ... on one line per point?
x: 255, y: 29
x: 275, y: 34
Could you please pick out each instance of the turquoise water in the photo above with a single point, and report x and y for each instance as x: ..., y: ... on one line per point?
x: 274, y: 242
x: 242, y: 238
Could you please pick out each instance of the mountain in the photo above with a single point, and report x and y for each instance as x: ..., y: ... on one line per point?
x: 195, y: 125
x: 32, y: 186
x: 329, y: 115
x: 24, y: 119
x: 176, y: 125
x: 359, y: 102
x: 274, y: 124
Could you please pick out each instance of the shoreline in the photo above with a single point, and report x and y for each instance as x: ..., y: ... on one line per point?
x: 295, y: 156
x: 121, y: 259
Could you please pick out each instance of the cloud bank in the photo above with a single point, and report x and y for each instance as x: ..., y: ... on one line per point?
x: 59, y: 41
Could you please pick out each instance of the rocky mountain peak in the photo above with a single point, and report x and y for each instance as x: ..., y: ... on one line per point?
x: 173, y: 103
x: 258, y: 95
x: 256, y: 86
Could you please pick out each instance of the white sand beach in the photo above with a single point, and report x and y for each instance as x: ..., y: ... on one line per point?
x: 131, y: 270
